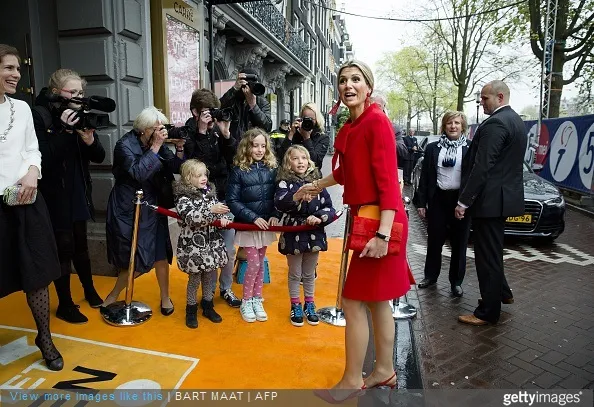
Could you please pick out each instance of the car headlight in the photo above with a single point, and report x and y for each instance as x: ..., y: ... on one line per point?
x: 558, y: 202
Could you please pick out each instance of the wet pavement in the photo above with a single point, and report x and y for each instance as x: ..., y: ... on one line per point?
x: 544, y: 340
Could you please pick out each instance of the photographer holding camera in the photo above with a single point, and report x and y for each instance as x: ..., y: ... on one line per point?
x: 209, y: 140
x: 307, y: 130
x: 249, y: 108
x: 66, y: 150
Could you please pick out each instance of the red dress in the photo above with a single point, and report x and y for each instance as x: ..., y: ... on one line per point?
x: 366, y: 153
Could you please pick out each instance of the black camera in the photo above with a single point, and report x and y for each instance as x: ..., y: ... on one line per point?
x: 307, y: 124
x: 221, y: 115
x: 256, y: 87
x: 88, y: 119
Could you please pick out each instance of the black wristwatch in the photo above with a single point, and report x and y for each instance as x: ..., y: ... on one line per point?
x: 383, y: 237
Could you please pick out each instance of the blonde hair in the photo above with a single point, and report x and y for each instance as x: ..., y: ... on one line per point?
x: 59, y: 78
x: 285, y: 169
x: 449, y: 115
x: 319, y: 117
x: 243, y: 158
x: 191, y: 167
x: 148, y: 118
x: 363, y: 67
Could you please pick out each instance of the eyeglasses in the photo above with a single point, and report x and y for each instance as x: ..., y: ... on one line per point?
x: 74, y: 93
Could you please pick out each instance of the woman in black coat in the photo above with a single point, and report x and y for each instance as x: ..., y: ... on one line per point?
x: 314, y: 139
x: 437, y: 197
x: 66, y: 151
x: 141, y: 161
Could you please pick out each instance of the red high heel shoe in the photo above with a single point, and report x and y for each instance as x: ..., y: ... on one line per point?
x: 391, y: 382
x: 329, y: 398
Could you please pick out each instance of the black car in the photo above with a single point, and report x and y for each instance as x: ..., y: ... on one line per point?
x: 544, y: 215
x: 416, y: 174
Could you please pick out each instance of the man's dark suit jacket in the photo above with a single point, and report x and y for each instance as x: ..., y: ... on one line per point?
x: 401, y: 149
x: 410, y: 142
x: 492, y: 175
x: 428, y: 181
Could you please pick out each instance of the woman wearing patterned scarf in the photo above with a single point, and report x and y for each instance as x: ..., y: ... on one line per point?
x: 437, y: 197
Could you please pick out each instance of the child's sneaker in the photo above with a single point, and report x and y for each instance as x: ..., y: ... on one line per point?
x: 296, y: 314
x: 309, y: 309
x: 259, y: 309
x: 246, y: 310
x: 230, y: 298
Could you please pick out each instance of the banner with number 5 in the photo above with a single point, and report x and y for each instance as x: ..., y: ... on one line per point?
x: 570, y: 158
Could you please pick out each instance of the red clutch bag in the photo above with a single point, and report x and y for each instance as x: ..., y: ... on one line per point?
x: 364, y: 228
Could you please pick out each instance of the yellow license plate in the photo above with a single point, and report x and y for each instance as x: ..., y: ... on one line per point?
x: 520, y: 219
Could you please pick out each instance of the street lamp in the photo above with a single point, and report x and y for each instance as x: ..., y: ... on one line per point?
x: 478, y: 104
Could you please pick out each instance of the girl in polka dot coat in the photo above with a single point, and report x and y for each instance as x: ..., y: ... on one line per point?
x: 302, y: 248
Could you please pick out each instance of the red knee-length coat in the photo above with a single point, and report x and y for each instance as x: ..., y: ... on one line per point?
x: 365, y: 163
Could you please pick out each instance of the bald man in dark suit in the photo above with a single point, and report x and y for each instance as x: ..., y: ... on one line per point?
x: 493, y: 189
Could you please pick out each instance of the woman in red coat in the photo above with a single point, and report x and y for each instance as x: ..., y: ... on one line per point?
x: 366, y: 155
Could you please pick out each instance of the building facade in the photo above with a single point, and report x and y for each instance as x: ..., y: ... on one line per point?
x: 289, y: 41
x: 123, y: 48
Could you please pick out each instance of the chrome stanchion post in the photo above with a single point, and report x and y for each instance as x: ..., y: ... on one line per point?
x: 402, y: 310
x: 335, y: 315
x: 128, y: 312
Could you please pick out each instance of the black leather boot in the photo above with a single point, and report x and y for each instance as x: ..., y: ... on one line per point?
x: 191, y: 316
x: 209, y: 312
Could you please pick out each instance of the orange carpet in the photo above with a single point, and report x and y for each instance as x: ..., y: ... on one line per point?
x: 230, y: 355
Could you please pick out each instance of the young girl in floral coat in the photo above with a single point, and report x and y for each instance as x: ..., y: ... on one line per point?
x: 200, y: 248
x: 302, y: 248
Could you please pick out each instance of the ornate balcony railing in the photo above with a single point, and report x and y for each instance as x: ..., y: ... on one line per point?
x: 274, y: 21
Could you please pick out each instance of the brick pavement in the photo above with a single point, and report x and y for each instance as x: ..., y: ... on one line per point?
x: 544, y: 340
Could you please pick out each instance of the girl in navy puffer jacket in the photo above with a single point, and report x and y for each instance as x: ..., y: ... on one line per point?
x: 250, y: 196
x: 302, y: 248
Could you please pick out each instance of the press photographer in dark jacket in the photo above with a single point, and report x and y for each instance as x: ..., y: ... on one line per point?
x: 313, y: 139
x: 66, y: 184
x: 209, y: 140
x: 249, y: 110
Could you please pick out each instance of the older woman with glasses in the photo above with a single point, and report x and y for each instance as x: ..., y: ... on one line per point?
x: 141, y: 161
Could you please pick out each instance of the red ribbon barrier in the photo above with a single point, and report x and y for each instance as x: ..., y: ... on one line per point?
x: 245, y: 226
x: 250, y: 226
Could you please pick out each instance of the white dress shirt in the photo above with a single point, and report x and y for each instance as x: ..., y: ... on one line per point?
x: 448, y: 178
x: 20, y: 150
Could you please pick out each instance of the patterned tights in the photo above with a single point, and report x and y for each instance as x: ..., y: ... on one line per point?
x: 208, y: 286
x: 253, y: 281
x: 39, y: 303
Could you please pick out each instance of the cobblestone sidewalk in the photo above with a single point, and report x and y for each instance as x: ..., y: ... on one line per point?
x: 544, y: 340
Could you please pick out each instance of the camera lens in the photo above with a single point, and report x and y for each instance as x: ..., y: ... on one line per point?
x: 307, y: 123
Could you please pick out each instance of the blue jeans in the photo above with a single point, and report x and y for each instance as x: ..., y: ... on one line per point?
x: 226, y: 276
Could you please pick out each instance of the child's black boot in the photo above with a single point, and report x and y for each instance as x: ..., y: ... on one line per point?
x: 209, y: 312
x: 191, y: 316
